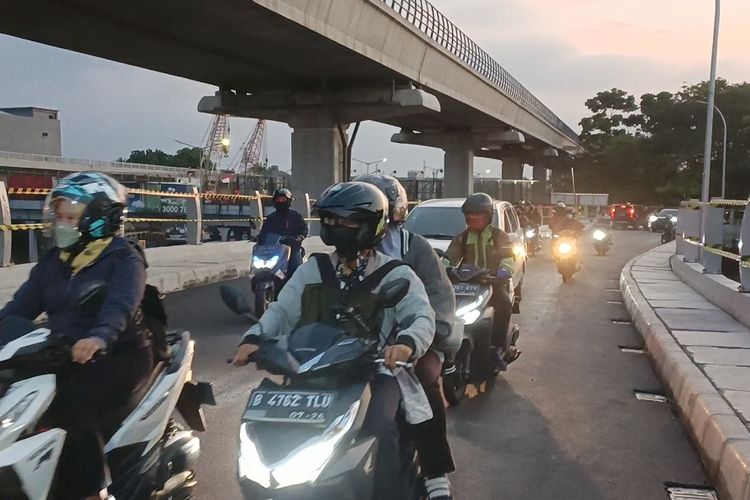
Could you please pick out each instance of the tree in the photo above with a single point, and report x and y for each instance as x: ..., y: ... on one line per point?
x: 185, y: 157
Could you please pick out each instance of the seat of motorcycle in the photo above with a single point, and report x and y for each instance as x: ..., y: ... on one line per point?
x: 112, y: 421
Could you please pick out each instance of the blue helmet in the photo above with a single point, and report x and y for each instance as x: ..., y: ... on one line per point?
x: 103, y: 198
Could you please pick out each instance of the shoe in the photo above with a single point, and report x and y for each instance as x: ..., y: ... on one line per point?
x: 438, y: 488
x: 497, y: 360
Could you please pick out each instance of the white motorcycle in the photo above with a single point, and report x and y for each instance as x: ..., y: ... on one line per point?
x: 150, y: 456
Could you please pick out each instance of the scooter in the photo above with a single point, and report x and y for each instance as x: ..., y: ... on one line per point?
x: 270, y: 270
x: 303, y: 438
x: 602, y: 242
x: 669, y: 232
x: 533, y: 240
x: 565, y: 252
x: 150, y: 455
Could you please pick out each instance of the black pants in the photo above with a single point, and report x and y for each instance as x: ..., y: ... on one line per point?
x: 381, y: 423
x: 85, y: 397
x: 430, y: 437
x: 503, y: 312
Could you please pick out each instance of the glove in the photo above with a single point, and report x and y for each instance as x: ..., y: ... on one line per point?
x: 503, y: 274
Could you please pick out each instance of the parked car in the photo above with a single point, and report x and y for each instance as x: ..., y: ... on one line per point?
x: 657, y: 222
x: 440, y: 220
x: 629, y: 215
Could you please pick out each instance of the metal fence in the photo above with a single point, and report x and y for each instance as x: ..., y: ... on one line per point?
x: 425, y: 17
x: 96, y: 164
x: 720, y: 251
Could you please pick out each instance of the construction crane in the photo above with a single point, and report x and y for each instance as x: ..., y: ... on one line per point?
x: 215, y: 146
x: 252, y: 150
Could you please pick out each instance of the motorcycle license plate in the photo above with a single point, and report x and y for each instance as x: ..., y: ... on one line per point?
x: 466, y: 289
x: 289, y: 406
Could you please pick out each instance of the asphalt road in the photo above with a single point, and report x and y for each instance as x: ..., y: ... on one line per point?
x: 562, y: 424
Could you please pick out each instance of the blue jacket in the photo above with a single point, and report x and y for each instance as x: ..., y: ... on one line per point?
x: 290, y: 224
x: 51, y: 286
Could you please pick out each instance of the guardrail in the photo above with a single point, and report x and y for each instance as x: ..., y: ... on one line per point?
x: 712, y: 249
x: 430, y: 21
x: 193, y: 219
x: 95, y: 164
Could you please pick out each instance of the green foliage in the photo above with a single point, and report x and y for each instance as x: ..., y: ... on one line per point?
x: 185, y: 157
x: 653, y: 152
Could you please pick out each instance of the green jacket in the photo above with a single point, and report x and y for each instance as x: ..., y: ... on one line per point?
x: 481, y: 249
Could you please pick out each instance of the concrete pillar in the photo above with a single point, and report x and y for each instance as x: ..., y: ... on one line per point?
x: 714, y: 238
x: 193, y: 230
x: 512, y: 168
x: 5, y: 236
x: 539, y: 188
x: 458, y: 180
x: 316, y: 161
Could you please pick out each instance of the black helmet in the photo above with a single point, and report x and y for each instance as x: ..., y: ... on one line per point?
x: 478, y: 203
x: 103, y: 198
x: 353, y: 217
x: 398, y: 201
x: 282, y: 199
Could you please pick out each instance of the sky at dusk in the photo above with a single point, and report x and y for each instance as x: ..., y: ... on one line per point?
x: 563, y: 51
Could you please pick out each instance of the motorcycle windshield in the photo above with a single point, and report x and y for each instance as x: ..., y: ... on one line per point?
x: 468, y: 272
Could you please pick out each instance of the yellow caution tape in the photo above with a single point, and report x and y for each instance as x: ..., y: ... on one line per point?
x: 182, y: 221
x: 147, y: 192
x: 21, y: 227
x: 717, y: 250
x: 729, y: 203
x: 29, y: 191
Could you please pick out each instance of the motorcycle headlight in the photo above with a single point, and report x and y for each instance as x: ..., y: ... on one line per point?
x: 673, y: 219
x: 259, y: 263
x: 471, y: 312
x: 303, y: 466
x: 564, y: 248
x: 652, y: 218
x: 519, y: 251
x: 599, y: 235
x: 530, y: 233
x: 11, y: 416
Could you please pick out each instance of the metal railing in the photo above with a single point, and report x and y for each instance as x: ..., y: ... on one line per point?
x: 721, y: 250
x: 95, y: 164
x: 430, y: 21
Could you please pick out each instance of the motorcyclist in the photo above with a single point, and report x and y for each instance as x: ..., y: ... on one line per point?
x: 480, y: 245
x: 353, y: 219
x: 559, y: 214
x: 604, y: 223
x: 86, y: 211
x: 430, y: 438
x: 288, y: 223
x: 569, y: 223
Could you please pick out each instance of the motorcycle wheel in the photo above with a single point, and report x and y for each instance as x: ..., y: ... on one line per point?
x: 601, y: 252
x: 566, y: 275
x: 454, y: 385
x: 263, y: 299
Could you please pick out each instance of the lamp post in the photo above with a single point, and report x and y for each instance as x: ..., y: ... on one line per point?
x: 434, y: 177
x: 705, y: 194
x: 724, y: 153
x: 368, y: 163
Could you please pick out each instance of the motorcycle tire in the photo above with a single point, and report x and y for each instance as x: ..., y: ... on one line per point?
x: 263, y: 299
x: 454, y: 385
x: 601, y: 252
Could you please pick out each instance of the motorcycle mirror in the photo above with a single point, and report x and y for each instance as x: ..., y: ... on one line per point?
x: 234, y: 299
x: 90, y: 297
x: 506, y: 252
x: 391, y: 293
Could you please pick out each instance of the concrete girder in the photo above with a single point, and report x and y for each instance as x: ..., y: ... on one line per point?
x: 345, y: 106
x: 481, y: 140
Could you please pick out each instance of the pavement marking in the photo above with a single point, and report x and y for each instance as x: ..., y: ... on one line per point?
x: 649, y: 396
x: 614, y: 302
x: 612, y: 289
x: 632, y: 349
x: 690, y: 493
x: 621, y: 321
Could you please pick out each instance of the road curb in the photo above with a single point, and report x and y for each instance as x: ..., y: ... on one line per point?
x: 720, y: 436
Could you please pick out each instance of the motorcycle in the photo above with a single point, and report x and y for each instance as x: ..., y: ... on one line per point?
x: 565, y: 253
x: 533, y: 240
x: 150, y: 455
x: 602, y: 242
x: 270, y: 270
x: 302, y: 438
x: 669, y: 232
x: 473, y: 288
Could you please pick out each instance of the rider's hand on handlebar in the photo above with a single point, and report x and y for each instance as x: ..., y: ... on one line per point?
x: 503, y: 274
x: 84, y: 349
x: 396, y: 353
x: 243, y: 353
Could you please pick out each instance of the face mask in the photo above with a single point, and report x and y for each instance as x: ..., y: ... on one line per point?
x: 66, y: 235
x: 343, y: 238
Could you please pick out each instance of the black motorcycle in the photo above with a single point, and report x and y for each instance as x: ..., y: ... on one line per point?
x: 270, y: 270
x: 302, y: 438
x: 669, y: 232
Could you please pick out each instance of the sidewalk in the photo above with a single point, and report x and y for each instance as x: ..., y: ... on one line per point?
x: 702, y: 355
x: 175, y: 268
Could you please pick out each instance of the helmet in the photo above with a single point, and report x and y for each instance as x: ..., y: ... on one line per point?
x: 561, y: 205
x: 398, y: 201
x: 282, y: 199
x: 353, y: 217
x: 478, y: 203
x: 102, y: 199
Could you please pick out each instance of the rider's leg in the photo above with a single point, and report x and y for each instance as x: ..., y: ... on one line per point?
x: 381, y: 423
x: 295, y: 259
x: 430, y: 437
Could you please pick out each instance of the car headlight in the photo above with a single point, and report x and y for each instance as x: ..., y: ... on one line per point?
x: 259, y: 263
x: 11, y: 416
x: 519, y: 251
x: 564, y: 248
x: 530, y: 233
x: 302, y: 467
x: 600, y: 235
x: 652, y: 218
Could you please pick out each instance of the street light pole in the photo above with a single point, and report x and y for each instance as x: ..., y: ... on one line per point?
x: 724, y: 153
x: 705, y: 191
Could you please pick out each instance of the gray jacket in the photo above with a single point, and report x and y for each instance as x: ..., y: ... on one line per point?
x: 412, y: 317
x: 414, y: 250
